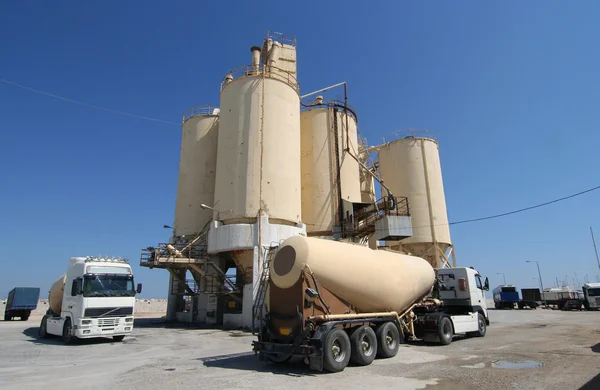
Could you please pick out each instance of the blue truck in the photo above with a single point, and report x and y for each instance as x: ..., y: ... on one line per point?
x: 21, y: 301
x: 505, y: 297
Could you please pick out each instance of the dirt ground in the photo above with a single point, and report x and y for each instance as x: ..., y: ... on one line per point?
x: 532, y: 349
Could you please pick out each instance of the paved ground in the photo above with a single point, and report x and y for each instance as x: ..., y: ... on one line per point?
x: 156, y: 357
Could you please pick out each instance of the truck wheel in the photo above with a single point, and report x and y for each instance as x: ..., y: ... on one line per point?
x: 363, y: 346
x: 336, y: 350
x: 24, y: 318
x: 118, y: 338
x: 482, y: 327
x: 42, y: 329
x: 7, y: 317
x: 67, y: 335
x: 388, y: 340
x: 445, y: 331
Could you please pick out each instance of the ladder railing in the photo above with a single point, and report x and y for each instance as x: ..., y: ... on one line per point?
x: 259, y: 303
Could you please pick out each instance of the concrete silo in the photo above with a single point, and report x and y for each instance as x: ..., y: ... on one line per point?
x: 197, y: 167
x: 257, y: 198
x: 258, y: 158
x: 329, y: 173
x: 411, y: 167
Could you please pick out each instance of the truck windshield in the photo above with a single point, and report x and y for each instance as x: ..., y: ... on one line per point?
x: 593, y: 292
x: 108, y: 286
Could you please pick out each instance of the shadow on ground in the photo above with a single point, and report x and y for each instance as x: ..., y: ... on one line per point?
x: 247, y: 361
x: 593, y: 384
x: 32, y: 333
x: 596, y: 348
x: 163, y: 323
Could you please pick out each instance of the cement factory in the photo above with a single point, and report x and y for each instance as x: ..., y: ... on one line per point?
x: 269, y: 163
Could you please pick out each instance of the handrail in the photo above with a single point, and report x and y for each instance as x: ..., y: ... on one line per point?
x: 203, y: 109
x: 281, y: 38
x: 262, y: 70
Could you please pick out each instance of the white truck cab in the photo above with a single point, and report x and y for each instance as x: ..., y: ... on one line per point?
x: 591, y: 296
x: 462, y: 308
x: 98, y: 299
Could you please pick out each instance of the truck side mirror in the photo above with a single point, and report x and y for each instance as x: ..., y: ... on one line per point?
x: 139, y: 288
x: 486, y: 285
x: 76, y: 287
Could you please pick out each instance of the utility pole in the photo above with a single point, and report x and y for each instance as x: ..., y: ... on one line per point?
x: 540, y: 275
x: 504, y: 276
x: 595, y: 249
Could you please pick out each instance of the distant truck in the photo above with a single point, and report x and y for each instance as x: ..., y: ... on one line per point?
x: 330, y: 303
x: 591, y: 296
x: 505, y: 297
x: 95, y: 298
x: 21, y: 302
x: 559, y: 296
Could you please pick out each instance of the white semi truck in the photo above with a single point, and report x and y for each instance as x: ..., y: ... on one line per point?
x: 591, y: 296
x: 95, y: 298
x: 331, y: 303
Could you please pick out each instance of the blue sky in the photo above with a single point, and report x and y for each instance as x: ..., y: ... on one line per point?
x: 511, y: 90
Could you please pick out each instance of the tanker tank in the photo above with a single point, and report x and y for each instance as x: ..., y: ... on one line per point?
x: 55, y: 295
x: 370, y: 280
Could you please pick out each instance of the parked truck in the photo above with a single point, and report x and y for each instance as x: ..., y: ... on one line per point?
x: 505, y: 297
x: 591, y: 296
x: 95, y: 298
x: 21, y: 302
x: 330, y: 303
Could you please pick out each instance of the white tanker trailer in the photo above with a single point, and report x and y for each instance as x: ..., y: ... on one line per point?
x: 98, y: 300
x: 331, y: 303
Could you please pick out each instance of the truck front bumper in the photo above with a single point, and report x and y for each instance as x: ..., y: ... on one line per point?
x: 88, y: 328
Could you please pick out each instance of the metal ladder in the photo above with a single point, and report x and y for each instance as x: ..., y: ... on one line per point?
x: 259, y: 303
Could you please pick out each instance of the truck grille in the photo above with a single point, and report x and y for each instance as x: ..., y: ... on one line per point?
x: 108, y: 322
x: 598, y: 301
x: 112, y: 311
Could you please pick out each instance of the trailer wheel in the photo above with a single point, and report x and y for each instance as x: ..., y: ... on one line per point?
x: 67, y: 335
x: 25, y: 318
x: 42, y: 329
x: 445, y: 331
x: 7, y: 317
x: 336, y: 350
x: 363, y: 346
x: 388, y: 340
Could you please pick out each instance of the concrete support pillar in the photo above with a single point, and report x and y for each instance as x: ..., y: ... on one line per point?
x: 175, y: 302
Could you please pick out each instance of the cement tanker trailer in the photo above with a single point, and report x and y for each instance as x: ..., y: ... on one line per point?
x: 331, y: 303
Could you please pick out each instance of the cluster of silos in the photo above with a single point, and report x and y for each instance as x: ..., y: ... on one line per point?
x: 410, y: 167
x: 330, y: 175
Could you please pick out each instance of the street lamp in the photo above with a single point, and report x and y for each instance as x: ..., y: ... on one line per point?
x: 540, y: 275
x: 504, y: 276
x: 207, y: 207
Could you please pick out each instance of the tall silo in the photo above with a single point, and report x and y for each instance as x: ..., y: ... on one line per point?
x: 411, y: 167
x: 258, y: 159
x: 197, y: 168
x: 325, y: 159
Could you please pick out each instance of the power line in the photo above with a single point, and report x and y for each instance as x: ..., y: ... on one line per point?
x: 85, y: 104
x: 525, y: 209
x: 498, y: 215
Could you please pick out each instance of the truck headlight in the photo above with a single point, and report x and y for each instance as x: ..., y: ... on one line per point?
x: 86, y: 322
x: 130, y: 319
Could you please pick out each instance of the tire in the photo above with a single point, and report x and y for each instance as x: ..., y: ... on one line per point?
x: 42, y: 330
x: 363, y: 345
x: 24, y: 318
x: 481, y: 325
x: 445, y: 331
x: 336, y: 350
x: 388, y: 340
x: 7, y: 317
x: 67, y: 334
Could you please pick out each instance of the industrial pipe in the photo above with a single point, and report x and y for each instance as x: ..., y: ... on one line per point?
x: 334, y: 317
